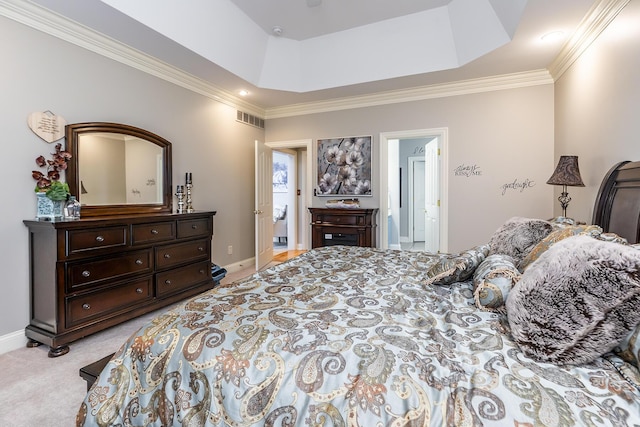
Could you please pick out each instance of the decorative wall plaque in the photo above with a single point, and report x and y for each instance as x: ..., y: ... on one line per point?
x: 47, y: 125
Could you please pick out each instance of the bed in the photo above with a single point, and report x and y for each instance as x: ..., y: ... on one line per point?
x: 538, y: 327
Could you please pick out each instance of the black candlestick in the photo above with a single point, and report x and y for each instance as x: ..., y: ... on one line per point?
x: 188, y: 178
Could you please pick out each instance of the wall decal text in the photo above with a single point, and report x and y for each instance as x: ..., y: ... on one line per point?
x: 517, y: 185
x: 467, y: 170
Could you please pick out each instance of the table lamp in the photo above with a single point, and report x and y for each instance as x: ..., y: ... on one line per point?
x: 567, y: 173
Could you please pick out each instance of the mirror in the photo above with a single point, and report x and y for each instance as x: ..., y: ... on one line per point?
x: 118, y: 169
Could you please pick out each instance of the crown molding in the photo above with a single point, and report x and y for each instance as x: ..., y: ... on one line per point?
x: 600, y: 15
x: 464, y: 87
x: 39, y: 18
x: 51, y: 23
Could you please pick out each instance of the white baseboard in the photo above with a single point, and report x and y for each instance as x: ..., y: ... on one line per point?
x: 404, y: 239
x: 12, y: 341
x: 395, y: 246
x: 240, y: 265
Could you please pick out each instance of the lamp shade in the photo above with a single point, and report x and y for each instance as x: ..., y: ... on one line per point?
x: 567, y: 172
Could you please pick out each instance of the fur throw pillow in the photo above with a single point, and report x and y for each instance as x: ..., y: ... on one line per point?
x: 518, y: 236
x: 579, y: 300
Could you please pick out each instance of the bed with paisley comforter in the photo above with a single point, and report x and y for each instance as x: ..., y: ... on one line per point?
x: 368, y: 337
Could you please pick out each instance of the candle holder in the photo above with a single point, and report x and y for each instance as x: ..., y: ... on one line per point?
x: 189, y: 206
x: 180, y: 196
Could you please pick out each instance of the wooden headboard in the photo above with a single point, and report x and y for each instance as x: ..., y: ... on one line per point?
x: 617, y: 208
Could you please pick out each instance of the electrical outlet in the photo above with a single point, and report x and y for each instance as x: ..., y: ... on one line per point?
x: 230, y: 249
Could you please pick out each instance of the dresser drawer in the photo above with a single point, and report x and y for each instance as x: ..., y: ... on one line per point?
x: 80, y: 274
x: 154, y: 232
x: 182, y: 278
x: 170, y: 255
x: 194, y: 227
x: 340, y: 219
x: 90, y: 239
x: 81, y: 308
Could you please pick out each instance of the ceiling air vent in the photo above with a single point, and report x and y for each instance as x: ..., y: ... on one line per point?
x: 249, y: 119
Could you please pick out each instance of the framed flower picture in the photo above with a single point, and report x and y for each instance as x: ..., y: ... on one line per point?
x: 344, y: 166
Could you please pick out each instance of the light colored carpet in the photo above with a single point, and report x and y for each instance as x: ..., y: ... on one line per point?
x: 39, y: 391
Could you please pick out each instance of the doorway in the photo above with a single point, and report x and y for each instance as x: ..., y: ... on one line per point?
x: 298, y: 229
x: 284, y: 199
x: 413, y: 221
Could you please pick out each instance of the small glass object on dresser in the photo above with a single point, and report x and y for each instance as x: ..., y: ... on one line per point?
x: 72, y: 208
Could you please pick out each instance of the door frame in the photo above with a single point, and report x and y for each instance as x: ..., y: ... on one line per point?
x: 301, y: 211
x: 443, y: 144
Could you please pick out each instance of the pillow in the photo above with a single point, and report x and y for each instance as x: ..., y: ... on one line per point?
x: 562, y: 221
x: 456, y: 268
x: 579, y: 300
x: 493, y: 280
x: 554, y: 237
x: 518, y: 236
x: 629, y: 348
x: 279, y: 213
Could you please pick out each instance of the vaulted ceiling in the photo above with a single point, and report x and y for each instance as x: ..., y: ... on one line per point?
x: 292, y: 52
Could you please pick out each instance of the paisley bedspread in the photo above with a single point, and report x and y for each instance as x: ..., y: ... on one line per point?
x: 347, y: 336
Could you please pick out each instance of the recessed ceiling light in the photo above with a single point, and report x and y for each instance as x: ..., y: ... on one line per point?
x: 244, y: 92
x: 553, y: 36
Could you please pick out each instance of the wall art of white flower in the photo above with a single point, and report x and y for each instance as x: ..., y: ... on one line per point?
x: 344, y: 166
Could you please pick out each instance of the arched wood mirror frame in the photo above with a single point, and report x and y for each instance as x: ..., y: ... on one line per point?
x: 77, y: 131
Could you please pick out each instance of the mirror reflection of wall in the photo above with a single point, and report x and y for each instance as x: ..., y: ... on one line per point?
x: 144, y: 169
x: 102, y: 169
x: 118, y: 169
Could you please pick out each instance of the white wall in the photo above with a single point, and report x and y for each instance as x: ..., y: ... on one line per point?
x: 40, y: 73
x: 507, y: 135
x: 597, y: 103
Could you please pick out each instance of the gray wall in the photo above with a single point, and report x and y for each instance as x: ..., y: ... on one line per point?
x: 40, y: 73
x: 597, y: 103
x: 507, y: 134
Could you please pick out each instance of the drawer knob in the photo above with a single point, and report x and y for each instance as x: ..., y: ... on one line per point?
x: 167, y: 256
x: 200, y: 248
x: 139, y: 290
x: 154, y: 231
x: 99, y: 239
x: 139, y: 262
x: 201, y: 271
x: 86, y: 306
x: 167, y: 282
x: 86, y: 273
x: 194, y: 226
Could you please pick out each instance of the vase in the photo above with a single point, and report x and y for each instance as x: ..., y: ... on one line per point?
x: 47, y: 208
x: 72, y: 208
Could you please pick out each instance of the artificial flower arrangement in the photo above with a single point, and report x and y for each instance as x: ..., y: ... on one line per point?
x: 49, y: 183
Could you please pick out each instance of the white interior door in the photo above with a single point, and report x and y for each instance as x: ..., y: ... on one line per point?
x: 432, y: 197
x: 263, y: 205
x: 418, y: 198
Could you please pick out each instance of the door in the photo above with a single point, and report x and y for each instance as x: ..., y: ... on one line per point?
x: 263, y: 205
x: 432, y: 196
x: 418, y: 200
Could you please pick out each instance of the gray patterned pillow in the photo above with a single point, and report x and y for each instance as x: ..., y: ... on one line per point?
x: 629, y: 348
x: 518, y: 236
x: 493, y: 280
x: 456, y: 268
x: 577, y: 301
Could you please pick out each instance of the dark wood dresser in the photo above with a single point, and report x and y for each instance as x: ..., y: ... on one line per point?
x: 93, y: 273
x: 352, y: 227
